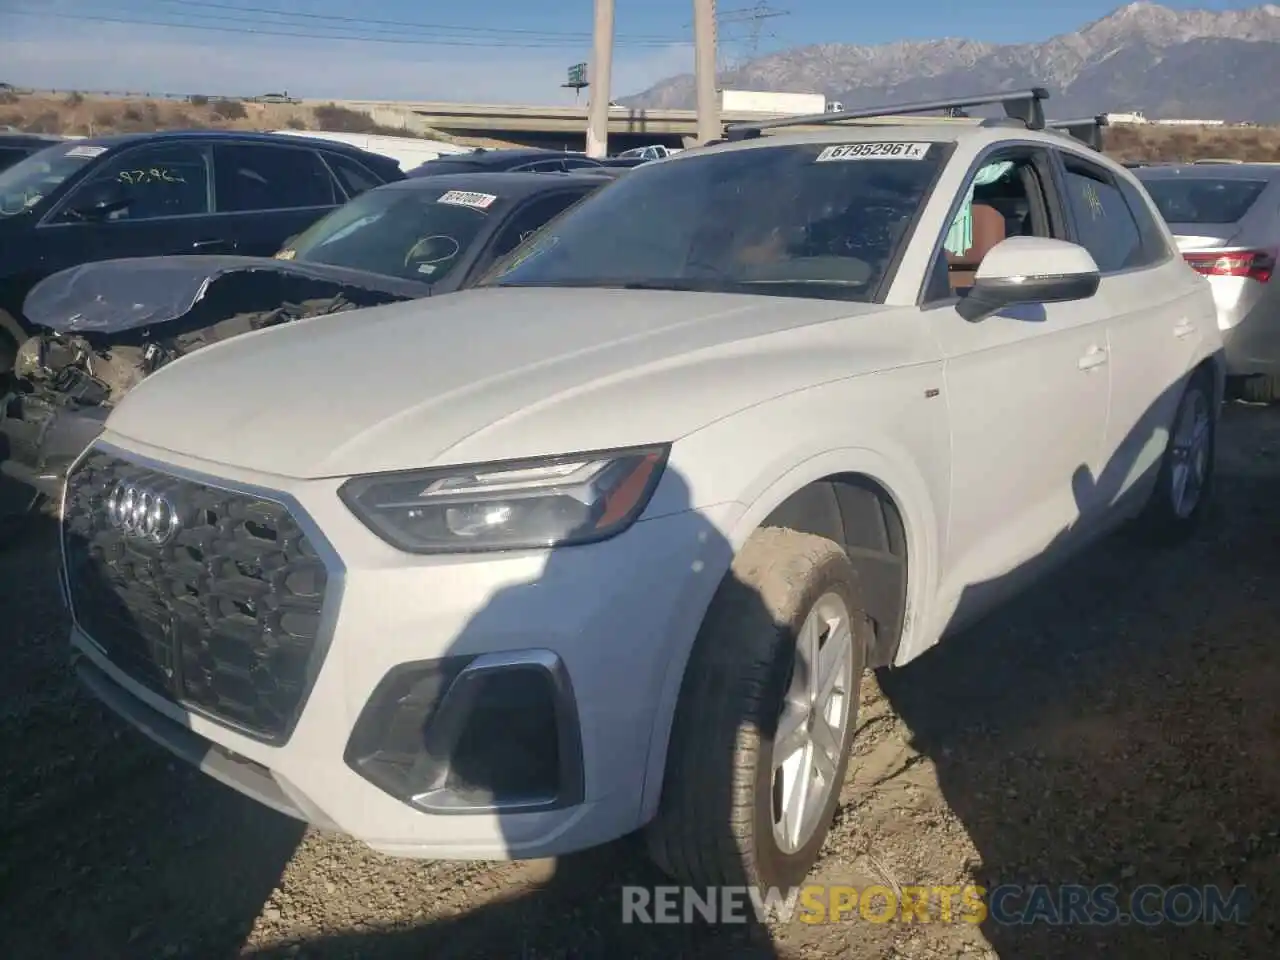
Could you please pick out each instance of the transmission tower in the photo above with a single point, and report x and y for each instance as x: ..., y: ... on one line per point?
x: 755, y: 21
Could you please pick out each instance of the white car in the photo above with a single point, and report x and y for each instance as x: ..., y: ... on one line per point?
x: 608, y: 542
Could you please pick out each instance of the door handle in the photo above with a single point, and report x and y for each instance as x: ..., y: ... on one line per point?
x: 1096, y: 357
x: 206, y: 245
x: 1184, y: 329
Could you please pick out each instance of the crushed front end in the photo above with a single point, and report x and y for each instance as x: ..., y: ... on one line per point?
x: 65, y: 384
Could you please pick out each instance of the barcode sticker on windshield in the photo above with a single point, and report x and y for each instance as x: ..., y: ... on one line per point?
x: 874, y: 151
x: 465, y: 198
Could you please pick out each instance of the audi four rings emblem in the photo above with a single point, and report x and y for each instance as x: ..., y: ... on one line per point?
x: 142, y: 513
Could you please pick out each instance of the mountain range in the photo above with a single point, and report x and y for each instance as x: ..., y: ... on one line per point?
x: 1202, y: 64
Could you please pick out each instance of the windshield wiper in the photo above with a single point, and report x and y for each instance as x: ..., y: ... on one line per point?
x: 691, y: 286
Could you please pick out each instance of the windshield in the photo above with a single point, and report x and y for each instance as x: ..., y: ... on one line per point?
x: 808, y: 220
x: 412, y: 234
x: 1203, y: 199
x: 29, y: 181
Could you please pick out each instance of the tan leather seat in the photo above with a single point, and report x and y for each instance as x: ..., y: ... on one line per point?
x: 988, y: 230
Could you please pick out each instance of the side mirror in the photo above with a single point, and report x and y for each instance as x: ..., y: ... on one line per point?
x: 99, y: 200
x: 1029, y: 270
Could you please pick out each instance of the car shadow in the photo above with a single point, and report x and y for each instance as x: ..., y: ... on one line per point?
x: 1082, y: 752
x: 110, y: 845
x: 575, y: 906
x: 1064, y: 665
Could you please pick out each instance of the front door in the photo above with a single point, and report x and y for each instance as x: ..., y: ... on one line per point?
x: 160, y: 206
x: 1027, y: 392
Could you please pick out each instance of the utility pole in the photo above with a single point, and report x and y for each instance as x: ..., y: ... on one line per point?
x: 704, y: 69
x: 601, y: 68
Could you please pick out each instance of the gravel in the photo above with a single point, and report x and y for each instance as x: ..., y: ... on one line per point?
x: 1116, y: 724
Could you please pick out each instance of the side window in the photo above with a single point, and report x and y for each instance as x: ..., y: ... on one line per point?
x: 259, y: 177
x: 352, y: 175
x: 9, y: 156
x: 1004, y: 198
x: 570, y: 163
x: 1155, y: 247
x: 1104, y: 225
x: 165, y: 180
x: 526, y: 221
x: 544, y: 166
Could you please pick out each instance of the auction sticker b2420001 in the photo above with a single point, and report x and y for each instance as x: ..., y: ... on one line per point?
x: 874, y: 151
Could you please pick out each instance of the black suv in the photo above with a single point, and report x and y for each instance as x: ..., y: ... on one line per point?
x: 158, y: 194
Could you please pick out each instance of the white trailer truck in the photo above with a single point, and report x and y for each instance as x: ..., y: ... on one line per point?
x: 773, y: 104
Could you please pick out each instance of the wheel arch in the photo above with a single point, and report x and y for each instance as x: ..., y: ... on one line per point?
x: 861, y: 515
x: 880, y: 512
x: 1215, y: 367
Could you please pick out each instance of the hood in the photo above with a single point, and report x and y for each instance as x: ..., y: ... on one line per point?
x: 491, y: 374
x: 110, y: 296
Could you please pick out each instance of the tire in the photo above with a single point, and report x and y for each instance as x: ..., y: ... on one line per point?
x: 1170, y: 518
x: 1261, y: 389
x: 715, y: 822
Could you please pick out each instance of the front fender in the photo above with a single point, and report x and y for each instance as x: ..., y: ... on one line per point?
x: 710, y: 474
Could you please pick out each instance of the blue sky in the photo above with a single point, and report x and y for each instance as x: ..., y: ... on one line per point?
x: 507, y: 51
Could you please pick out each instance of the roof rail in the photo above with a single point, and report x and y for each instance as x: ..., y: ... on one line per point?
x: 1023, y: 105
x: 1088, y: 130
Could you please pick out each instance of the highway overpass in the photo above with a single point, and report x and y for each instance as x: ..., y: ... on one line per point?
x: 561, y: 127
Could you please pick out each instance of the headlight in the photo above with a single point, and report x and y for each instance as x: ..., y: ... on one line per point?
x: 514, y: 505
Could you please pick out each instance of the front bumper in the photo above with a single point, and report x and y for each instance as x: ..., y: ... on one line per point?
x: 603, y: 624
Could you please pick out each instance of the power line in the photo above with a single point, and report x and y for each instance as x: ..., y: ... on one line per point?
x: 446, y: 28
x: 548, y: 42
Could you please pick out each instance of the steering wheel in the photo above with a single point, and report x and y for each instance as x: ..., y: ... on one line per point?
x: 431, y: 251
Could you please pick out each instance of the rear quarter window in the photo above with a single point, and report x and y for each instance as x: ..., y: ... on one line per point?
x: 353, y: 175
x: 1154, y: 241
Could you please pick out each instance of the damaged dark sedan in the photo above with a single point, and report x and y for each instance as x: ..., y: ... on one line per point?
x: 109, y: 324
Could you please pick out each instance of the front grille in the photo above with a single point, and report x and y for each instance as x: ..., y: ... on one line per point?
x: 222, y: 618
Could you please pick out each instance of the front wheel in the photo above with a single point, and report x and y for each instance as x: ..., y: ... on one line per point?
x: 766, y: 717
x: 1258, y: 389
x: 1185, y: 483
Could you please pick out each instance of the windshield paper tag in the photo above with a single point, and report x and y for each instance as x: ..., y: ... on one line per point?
x: 465, y: 198
x: 87, y: 150
x: 874, y: 151
x: 286, y: 254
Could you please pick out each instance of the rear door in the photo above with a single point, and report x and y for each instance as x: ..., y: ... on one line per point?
x: 266, y: 193
x: 166, y: 190
x: 1154, y: 330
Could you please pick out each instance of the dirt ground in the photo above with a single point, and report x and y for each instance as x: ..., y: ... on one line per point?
x: 1118, y: 724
